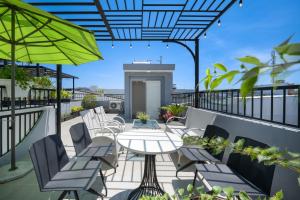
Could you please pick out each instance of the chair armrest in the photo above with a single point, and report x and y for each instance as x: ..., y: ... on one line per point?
x: 191, y: 129
x: 174, y: 117
x: 122, y: 120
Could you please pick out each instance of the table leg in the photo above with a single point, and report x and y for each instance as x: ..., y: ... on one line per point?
x: 149, y: 185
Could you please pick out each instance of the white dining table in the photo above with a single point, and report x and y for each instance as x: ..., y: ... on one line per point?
x: 149, y: 143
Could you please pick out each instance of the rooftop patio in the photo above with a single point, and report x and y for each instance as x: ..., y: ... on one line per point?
x: 68, y: 152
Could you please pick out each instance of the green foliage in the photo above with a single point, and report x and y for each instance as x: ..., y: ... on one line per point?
x: 267, y: 156
x: 65, y: 94
x: 75, y: 109
x: 142, y: 116
x: 89, y: 101
x: 42, y: 82
x: 288, y: 53
x: 175, y: 109
x: 199, y: 193
x: 22, y: 77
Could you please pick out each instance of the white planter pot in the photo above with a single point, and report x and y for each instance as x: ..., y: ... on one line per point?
x: 19, y: 91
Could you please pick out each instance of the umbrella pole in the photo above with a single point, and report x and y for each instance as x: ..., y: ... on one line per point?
x: 13, y: 82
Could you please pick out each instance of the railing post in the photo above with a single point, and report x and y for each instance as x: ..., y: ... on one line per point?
x: 196, y: 59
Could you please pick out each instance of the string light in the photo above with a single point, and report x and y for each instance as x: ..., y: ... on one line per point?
x: 148, y: 45
x: 205, y: 35
x: 219, y: 23
x: 167, y: 45
x: 241, y: 3
x: 130, y: 45
x: 112, y: 45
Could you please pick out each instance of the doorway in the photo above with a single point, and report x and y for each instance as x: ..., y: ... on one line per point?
x: 138, y: 97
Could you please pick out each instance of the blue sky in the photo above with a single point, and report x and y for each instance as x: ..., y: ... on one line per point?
x: 251, y: 30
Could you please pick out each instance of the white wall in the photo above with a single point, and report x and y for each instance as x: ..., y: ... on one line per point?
x: 45, y: 126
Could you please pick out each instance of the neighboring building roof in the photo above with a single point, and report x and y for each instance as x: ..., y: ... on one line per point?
x: 148, y: 67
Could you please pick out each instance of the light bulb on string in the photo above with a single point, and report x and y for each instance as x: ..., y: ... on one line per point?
x: 241, y: 3
x: 219, y: 23
x: 167, y: 45
x: 205, y: 36
x: 148, y: 45
x: 112, y: 45
x: 130, y: 46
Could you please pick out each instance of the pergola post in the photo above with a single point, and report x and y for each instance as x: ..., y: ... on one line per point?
x: 58, y: 98
x: 196, y: 73
x: 73, y: 88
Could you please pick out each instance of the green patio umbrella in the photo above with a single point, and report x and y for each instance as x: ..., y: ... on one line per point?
x: 28, y: 34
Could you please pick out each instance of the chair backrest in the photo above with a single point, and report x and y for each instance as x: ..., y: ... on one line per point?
x: 91, y: 121
x: 100, y: 112
x: 80, y: 137
x: 257, y: 173
x: 215, y: 131
x: 48, y: 156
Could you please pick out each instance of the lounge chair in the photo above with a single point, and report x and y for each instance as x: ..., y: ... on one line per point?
x: 84, y: 147
x: 242, y: 173
x: 200, y: 155
x: 117, y: 120
x: 100, y: 130
x: 55, y: 172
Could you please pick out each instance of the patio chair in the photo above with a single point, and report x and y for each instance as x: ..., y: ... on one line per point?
x: 116, y: 121
x: 242, y: 173
x: 185, y: 127
x: 85, y: 147
x: 199, y: 155
x: 100, y: 130
x: 55, y: 172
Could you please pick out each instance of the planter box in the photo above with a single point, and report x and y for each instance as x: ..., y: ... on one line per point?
x: 19, y: 91
x: 65, y: 100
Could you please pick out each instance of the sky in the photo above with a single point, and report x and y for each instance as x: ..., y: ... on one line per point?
x: 254, y: 29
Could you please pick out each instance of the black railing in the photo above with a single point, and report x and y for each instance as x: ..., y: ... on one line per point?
x: 24, y: 124
x: 110, y: 97
x: 279, y: 105
x: 36, y: 97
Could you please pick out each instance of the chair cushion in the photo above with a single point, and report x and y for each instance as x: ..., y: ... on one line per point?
x: 221, y: 175
x: 78, y: 174
x: 182, y: 130
x: 197, y: 154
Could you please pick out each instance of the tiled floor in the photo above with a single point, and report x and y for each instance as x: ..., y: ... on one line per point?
x: 128, y: 175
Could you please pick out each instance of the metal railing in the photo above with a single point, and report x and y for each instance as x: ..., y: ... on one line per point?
x: 24, y: 124
x: 280, y: 105
x: 37, y: 97
x: 110, y: 97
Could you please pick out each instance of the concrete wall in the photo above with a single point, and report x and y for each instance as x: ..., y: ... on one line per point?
x: 45, y: 126
x: 271, y: 134
x: 166, y: 79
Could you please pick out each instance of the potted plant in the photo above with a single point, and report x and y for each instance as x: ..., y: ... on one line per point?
x: 65, y: 96
x: 173, y: 110
x: 143, y: 117
x: 75, y: 110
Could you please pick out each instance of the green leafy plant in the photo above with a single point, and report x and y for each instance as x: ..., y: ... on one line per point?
x: 65, y: 94
x: 89, y: 101
x: 175, y: 109
x: 22, y: 77
x: 216, y: 193
x: 142, y: 116
x: 251, y: 68
x: 268, y: 156
x: 42, y: 82
x: 76, y: 109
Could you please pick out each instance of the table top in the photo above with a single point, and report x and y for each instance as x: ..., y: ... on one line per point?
x: 151, y: 124
x: 150, y: 142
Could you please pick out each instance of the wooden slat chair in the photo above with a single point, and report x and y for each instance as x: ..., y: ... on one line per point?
x: 241, y: 173
x: 84, y: 147
x: 199, y: 155
x: 55, y: 172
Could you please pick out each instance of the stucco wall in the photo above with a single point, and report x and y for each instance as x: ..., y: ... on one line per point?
x: 271, y: 134
x: 166, y: 79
